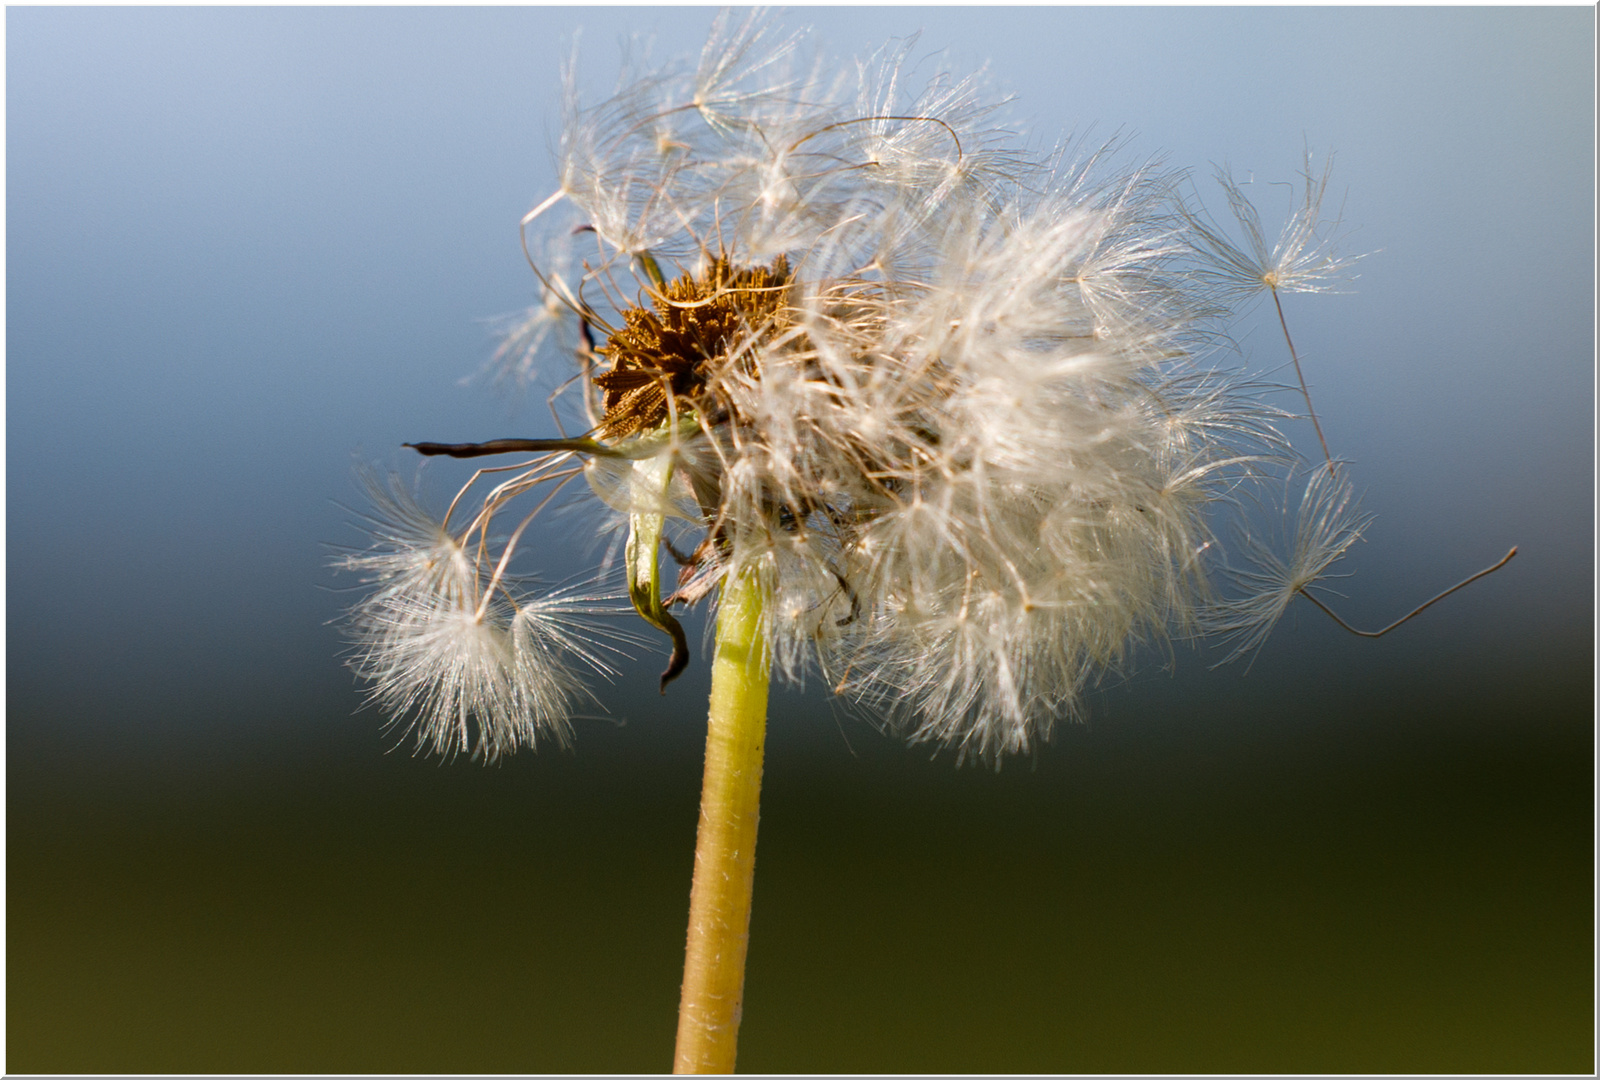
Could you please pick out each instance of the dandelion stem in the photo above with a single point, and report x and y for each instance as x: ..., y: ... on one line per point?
x: 1311, y: 409
x: 1418, y: 610
x: 724, y: 857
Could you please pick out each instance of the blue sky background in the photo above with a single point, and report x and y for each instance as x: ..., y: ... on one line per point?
x: 248, y: 248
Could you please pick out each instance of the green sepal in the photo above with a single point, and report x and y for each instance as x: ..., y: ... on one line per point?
x: 643, y: 556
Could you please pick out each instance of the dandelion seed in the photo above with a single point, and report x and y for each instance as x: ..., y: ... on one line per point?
x: 1328, y: 524
x: 1303, y: 259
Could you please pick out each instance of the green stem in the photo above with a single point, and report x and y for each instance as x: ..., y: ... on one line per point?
x: 725, y: 852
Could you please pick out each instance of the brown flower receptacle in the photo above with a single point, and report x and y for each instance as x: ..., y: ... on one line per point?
x: 695, y: 326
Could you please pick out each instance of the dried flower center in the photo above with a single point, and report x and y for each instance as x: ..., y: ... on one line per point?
x: 694, y: 330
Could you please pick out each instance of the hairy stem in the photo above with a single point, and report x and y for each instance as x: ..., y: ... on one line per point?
x: 725, y: 853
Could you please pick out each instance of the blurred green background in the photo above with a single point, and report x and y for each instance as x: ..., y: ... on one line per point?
x: 248, y: 247
x: 1350, y: 875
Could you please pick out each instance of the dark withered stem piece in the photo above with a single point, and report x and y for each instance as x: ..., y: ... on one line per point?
x: 677, y: 556
x: 511, y: 446
x: 679, y: 660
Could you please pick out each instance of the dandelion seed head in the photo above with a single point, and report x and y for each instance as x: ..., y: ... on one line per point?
x: 953, y: 402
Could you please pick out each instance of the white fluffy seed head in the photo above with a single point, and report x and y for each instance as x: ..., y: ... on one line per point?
x: 976, y: 452
x: 952, y: 400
